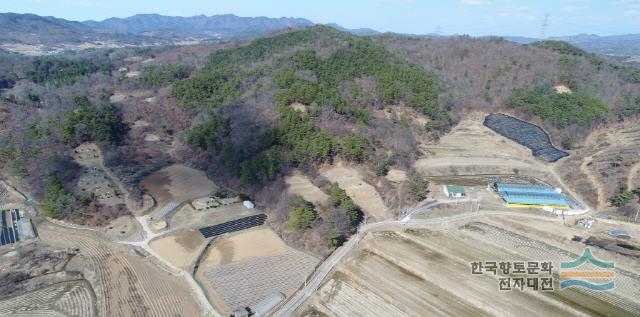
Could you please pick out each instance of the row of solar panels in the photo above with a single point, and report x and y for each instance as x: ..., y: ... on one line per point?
x: 233, y: 225
x: 9, y: 227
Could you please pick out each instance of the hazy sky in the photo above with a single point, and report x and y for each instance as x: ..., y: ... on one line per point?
x: 475, y: 17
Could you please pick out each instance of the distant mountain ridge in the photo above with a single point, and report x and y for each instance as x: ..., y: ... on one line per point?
x: 31, y: 28
x: 226, y: 26
x: 155, y: 29
x: 621, y: 45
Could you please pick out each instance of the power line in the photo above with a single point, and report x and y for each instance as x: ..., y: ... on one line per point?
x: 545, y: 24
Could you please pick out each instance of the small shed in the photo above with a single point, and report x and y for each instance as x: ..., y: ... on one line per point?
x: 248, y: 204
x: 455, y: 191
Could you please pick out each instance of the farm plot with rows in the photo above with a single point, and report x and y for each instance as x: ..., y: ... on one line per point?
x: 125, y: 284
x: 525, y: 133
x: 426, y: 271
x: 70, y: 299
x: 243, y: 269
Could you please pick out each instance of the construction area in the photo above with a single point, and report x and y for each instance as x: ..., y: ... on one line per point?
x: 424, y: 270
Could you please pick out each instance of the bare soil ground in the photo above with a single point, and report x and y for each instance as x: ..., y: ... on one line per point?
x: 299, y: 184
x: 125, y: 228
x: 362, y: 193
x: 396, y: 175
x: 426, y: 272
x: 177, y: 183
x: 299, y: 107
x: 181, y: 250
x: 125, y: 284
x: 244, y: 268
x: 247, y: 245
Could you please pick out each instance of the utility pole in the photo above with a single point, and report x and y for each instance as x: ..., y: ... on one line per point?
x: 637, y: 212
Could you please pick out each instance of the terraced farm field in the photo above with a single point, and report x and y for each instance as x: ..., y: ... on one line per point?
x: 426, y: 272
x: 68, y: 299
x: 125, y: 284
x: 242, y: 269
x: 299, y: 184
x: 363, y: 194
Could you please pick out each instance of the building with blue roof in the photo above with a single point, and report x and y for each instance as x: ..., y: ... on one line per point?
x: 524, y: 195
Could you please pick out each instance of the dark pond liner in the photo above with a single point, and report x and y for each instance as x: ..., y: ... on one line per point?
x: 525, y: 133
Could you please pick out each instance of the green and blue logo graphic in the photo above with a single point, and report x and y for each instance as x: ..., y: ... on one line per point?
x: 599, y: 278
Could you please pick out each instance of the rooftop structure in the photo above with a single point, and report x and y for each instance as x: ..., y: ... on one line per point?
x: 453, y: 190
x: 521, y: 195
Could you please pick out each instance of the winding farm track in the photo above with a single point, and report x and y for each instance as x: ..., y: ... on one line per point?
x: 197, y: 290
x: 593, y: 180
x: 127, y: 285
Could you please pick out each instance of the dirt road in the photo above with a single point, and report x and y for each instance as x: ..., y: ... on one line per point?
x: 325, y: 268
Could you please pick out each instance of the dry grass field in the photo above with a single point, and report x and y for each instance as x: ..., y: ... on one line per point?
x: 363, y: 194
x: 181, y: 250
x: 125, y: 284
x: 177, y: 183
x: 608, y: 160
x: 299, y: 184
x: 426, y: 272
x: 244, y: 268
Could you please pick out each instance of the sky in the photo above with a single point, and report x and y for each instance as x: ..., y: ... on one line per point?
x: 446, y: 17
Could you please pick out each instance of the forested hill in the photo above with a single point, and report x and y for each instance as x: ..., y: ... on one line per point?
x: 494, y: 74
x: 337, y: 80
x: 249, y: 113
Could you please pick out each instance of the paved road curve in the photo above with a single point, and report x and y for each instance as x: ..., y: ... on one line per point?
x: 323, y: 270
